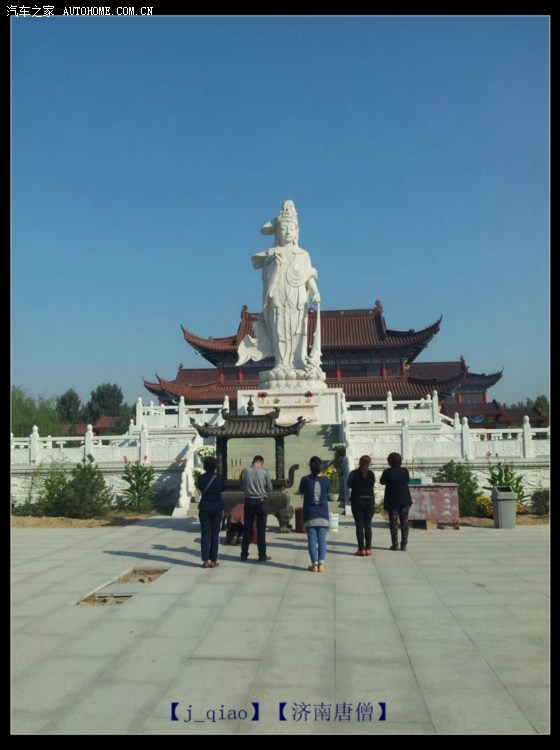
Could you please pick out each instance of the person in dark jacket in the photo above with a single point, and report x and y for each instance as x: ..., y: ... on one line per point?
x: 397, y: 499
x: 315, y: 491
x: 361, y: 482
x: 210, y: 512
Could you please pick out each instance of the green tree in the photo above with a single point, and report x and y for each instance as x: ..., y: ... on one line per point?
x: 541, y: 403
x: 106, y: 399
x: 68, y: 407
x: 463, y: 475
x: 28, y: 411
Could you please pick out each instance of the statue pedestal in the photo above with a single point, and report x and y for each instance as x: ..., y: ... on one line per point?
x: 320, y: 408
x: 295, y: 381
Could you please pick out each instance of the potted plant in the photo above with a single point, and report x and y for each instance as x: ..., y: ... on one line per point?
x: 334, y: 478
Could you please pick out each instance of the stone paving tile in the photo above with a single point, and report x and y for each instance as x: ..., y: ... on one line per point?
x: 50, y: 685
x: 456, y: 627
x: 250, y: 640
x: 475, y: 711
x: 113, y: 707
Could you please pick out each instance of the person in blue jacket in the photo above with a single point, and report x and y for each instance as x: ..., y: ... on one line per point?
x: 315, y: 491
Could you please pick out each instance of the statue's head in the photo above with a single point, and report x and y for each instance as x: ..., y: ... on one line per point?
x: 285, y: 226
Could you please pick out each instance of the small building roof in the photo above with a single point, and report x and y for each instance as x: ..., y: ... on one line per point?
x: 248, y: 426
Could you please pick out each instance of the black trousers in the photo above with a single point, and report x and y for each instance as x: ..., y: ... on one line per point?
x: 232, y: 530
x: 363, y: 510
x: 396, y: 515
x: 210, y: 523
x: 254, y: 511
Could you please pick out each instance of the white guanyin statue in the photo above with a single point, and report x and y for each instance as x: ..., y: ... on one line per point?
x: 289, y: 280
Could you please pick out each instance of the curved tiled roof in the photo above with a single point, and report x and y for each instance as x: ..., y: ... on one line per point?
x: 340, y: 329
x: 471, y: 408
x: 355, y: 389
x: 436, y: 370
x: 368, y: 389
x: 481, y: 379
x: 248, y: 426
x: 494, y: 412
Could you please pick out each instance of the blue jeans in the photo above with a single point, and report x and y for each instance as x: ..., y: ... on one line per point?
x: 317, y: 543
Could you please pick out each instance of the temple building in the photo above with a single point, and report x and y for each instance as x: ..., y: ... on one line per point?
x: 360, y: 355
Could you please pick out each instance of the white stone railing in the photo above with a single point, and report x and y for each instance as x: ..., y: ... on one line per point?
x: 36, y: 450
x: 429, y: 440
x: 422, y: 411
x: 514, y: 442
x: 172, y: 417
x: 415, y: 441
x: 418, y: 431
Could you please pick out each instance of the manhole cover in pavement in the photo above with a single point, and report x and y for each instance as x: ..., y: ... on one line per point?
x: 124, y: 587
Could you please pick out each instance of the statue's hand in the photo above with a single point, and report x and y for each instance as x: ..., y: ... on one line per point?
x: 316, y: 298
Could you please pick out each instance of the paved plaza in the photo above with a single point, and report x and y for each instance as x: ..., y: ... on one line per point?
x: 449, y: 637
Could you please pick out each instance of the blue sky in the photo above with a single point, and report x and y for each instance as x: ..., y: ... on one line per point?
x: 147, y: 152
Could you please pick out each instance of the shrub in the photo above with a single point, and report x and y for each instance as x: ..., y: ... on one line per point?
x: 501, y: 475
x: 84, y: 495
x: 485, y: 506
x: 54, y: 485
x: 42, y: 491
x: 139, y: 477
x: 540, y: 502
x: 27, y: 508
x: 461, y: 474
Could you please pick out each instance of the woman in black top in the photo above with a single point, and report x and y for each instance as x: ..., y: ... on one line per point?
x: 361, y: 482
x: 210, y: 512
x: 397, y: 499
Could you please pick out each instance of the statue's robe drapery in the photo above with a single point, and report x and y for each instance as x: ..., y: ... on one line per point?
x: 281, y: 328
